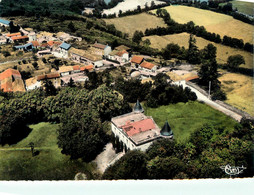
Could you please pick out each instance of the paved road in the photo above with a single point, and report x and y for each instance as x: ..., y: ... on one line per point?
x: 205, y: 99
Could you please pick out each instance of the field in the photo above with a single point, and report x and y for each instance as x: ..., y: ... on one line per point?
x: 141, y: 22
x: 213, y: 22
x: 239, y: 90
x: 185, y: 118
x: 243, y: 6
x: 223, y: 52
x: 17, y: 163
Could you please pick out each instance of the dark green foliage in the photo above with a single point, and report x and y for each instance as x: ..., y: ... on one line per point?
x: 137, y: 37
x: 235, y: 61
x: 193, y: 52
x: 6, y: 53
x: 171, y: 51
x: 130, y: 166
x: 132, y: 89
x: 71, y: 83
x: 49, y: 88
x: 35, y: 65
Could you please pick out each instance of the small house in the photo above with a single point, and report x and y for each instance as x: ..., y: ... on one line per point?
x: 147, y: 66
x: 100, y: 49
x: 53, y: 77
x: 136, y: 61
x: 120, y: 56
x: 4, y: 22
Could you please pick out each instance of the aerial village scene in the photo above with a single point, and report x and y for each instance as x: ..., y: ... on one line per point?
x: 126, y: 89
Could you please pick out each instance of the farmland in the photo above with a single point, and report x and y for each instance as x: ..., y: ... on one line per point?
x: 185, y: 118
x: 213, y: 22
x: 239, y: 90
x: 223, y: 52
x: 141, y: 22
x: 17, y: 163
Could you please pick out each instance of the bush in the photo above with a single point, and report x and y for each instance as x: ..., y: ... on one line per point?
x: 219, y: 95
x: 6, y: 53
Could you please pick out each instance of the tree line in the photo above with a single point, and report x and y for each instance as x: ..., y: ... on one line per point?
x: 199, y: 31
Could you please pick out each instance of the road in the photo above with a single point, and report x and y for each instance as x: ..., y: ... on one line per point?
x: 205, y: 99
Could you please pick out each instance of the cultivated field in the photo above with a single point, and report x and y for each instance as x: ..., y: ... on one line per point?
x: 185, y: 118
x: 214, y: 22
x: 223, y: 52
x: 17, y: 163
x: 242, y: 6
x: 239, y: 90
x: 141, y: 22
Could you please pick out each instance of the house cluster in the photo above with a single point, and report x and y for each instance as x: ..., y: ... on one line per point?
x: 138, y: 131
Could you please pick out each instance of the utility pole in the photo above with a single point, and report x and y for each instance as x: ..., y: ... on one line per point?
x: 209, y: 93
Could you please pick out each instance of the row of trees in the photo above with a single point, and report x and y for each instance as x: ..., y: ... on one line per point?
x: 200, y: 31
x: 200, y: 157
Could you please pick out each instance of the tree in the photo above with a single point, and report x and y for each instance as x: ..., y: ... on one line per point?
x: 235, y: 61
x: 71, y: 83
x: 209, y: 68
x: 131, y: 166
x: 193, y: 53
x: 137, y: 37
x: 49, y: 88
x: 35, y: 65
x: 31, y: 144
x: 71, y: 27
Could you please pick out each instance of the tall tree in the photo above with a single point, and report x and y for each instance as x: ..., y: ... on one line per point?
x: 193, y: 52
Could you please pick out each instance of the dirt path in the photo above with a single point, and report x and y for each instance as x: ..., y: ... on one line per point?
x: 107, y: 157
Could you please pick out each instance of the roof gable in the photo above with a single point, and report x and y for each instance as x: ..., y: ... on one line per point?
x: 137, y: 59
x: 8, y: 73
x: 147, y: 65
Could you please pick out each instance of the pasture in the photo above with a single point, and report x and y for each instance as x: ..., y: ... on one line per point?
x: 185, y: 118
x: 213, y: 22
x: 242, y: 6
x: 239, y: 90
x: 223, y: 52
x: 17, y: 163
x: 140, y: 22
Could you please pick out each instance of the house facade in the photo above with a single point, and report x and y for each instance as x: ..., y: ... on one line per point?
x: 138, y: 131
x: 62, y: 51
x: 147, y: 66
x: 101, y: 49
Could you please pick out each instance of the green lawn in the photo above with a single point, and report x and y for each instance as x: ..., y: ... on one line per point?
x: 184, y: 118
x: 17, y: 163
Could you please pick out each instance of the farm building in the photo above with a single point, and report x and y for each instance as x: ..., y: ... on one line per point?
x: 4, y: 22
x: 11, y: 81
x: 82, y: 56
x: 138, y: 131
x: 147, y: 66
x: 53, y: 77
x: 26, y: 47
x: 100, y: 49
x: 136, y: 61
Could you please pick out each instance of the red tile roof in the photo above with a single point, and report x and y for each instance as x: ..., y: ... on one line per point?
x: 7, y: 86
x: 20, y: 37
x: 44, y: 45
x: 77, y: 67
x: 48, y: 76
x: 88, y: 67
x: 192, y: 78
x: 51, y: 43
x: 35, y: 43
x: 99, y: 46
x: 137, y: 59
x: 14, y: 34
x: 8, y: 73
x: 147, y: 65
x: 138, y: 127
x: 120, y: 53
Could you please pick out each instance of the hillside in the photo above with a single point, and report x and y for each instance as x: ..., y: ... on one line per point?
x: 213, y: 22
x: 223, y: 52
x: 141, y: 22
x: 243, y: 6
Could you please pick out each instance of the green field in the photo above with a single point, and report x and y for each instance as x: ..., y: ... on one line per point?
x: 243, y: 6
x: 185, y: 118
x: 17, y: 163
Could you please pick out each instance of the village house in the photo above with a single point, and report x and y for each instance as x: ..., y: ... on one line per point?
x: 148, y: 67
x: 26, y: 47
x: 138, y: 131
x: 87, y: 67
x: 136, y: 61
x: 123, y: 47
x: 62, y: 51
x: 120, y: 56
x: 5, y: 23
x: 100, y: 49
x: 53, y: 77
x: 3, y: 40
x: 32, y: 83
x: 19, y: 39
x: 11, y: 81
x: 67, y: 37
x: 29, y: 32
x: 82, y: 56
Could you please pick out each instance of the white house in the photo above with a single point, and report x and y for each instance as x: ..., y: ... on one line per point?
x: 120, y: 56
x: 147, y: 66
x: 101, y: 49
x: 138, y: 131
x: 62, y: 51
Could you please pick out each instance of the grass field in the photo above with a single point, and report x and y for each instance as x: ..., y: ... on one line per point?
x: 185, y: 118
x: 17, y: 163
x: 239, y: 90
x: 242, y: 6
x: 213, y: 22
x: 141, y: 22
x: 223, y: 52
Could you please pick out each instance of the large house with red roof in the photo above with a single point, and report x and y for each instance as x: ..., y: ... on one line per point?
x: 138, y: 131
x: 11, y: 81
